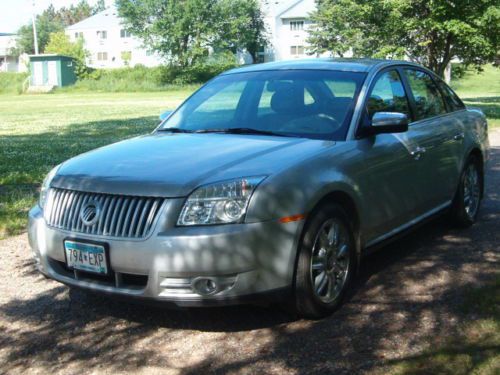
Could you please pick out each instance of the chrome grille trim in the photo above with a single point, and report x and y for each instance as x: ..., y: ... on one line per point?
x: 121, y: 216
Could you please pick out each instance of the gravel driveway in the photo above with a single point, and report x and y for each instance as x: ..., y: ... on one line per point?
x: 406, y: 293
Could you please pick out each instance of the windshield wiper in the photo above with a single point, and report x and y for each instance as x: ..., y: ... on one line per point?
x: 174, y: 130
x: 243, y: 131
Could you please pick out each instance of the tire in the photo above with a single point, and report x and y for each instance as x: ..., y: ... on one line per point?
x: 334, y: 254
x: 467, y: 200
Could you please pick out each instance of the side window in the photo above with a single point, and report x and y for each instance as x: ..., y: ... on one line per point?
x: 452, y: 100
x: 388, y: 95
x: 428, y: 100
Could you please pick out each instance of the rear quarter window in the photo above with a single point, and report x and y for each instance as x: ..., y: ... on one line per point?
x: 453, y: 102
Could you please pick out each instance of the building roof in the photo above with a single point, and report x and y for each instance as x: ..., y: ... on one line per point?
x: 298, y: 9
x: 49, y: 56
x: 342, y: 64
x: 275, y: 7
x: 7, y: 34
x: 105, y: 19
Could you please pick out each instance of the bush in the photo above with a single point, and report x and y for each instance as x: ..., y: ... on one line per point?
x: 199, y: 72
x: 142, y: 78
x: 12, y: 83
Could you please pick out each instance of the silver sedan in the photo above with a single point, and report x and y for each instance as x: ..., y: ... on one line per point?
x: 270, y: 181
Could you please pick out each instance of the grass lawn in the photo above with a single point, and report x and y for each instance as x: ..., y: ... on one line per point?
x: 483, y: 91
x: 38, y: 132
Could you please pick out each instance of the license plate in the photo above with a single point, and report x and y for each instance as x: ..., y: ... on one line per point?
x: 86, y: 257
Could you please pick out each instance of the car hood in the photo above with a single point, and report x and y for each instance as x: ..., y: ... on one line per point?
x: 172, y: 165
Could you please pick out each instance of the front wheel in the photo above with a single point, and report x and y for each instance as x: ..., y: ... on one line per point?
x: 326, y: 263
x: 468, y: 196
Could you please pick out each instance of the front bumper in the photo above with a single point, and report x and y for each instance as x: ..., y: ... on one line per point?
x: 245, y: 261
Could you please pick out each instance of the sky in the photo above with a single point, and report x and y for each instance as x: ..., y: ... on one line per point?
x: 15, y: 13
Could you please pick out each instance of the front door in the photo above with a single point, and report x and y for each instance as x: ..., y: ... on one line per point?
x: 391, y: 176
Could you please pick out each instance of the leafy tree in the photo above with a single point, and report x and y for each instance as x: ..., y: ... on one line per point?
x: 241, y: 27
x: 46, y: 23
x: 59, y: 43
x: 184, y: 31
x: 52, y: 20
x: 73, y: 14
x: 430, y: 32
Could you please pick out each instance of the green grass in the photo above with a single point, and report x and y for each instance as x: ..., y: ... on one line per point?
x: 482, y: 91
x: 475, y: 350
x: 38, y: 132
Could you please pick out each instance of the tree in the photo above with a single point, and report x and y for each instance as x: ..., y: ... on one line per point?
x: 431, y: 33
x: 73, y: 14
x: 51, y: 21
x: 46, y: 23
x: 59, y: 43
x: 184, y: 31
x: 241, y: 27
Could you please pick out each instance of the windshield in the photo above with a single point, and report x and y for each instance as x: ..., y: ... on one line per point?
x: 302, y: 103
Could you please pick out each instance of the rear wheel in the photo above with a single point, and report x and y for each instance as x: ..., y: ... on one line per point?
x: 468, y: 196
x: 326, y: 263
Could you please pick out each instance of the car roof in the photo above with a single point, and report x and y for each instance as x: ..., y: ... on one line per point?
x: 339, y: 64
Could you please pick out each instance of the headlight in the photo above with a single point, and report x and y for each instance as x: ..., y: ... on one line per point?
x: 220, y: 203
x: 46, y: 185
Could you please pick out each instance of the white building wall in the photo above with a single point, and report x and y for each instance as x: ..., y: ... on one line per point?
x: 286, y: 43
x: 109, y: 52
x: 8, y: 62
x: 292, y: 44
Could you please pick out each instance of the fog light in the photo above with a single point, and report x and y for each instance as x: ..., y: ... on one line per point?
x: 205, y: 286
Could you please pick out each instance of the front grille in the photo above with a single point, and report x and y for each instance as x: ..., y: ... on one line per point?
x: 119, y: 215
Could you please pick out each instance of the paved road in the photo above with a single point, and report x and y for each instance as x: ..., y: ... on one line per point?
x: 407, y: 292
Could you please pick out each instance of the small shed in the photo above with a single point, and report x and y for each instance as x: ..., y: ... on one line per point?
x: 52, y: 70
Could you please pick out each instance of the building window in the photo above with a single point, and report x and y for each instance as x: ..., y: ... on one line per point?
x: 125, y: 33
x: 78, y: 35
x: 102, y: 34
x: 102, y: 56
x: 296, y: 50
x: 296, y: 25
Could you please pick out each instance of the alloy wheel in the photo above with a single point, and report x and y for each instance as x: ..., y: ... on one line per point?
x: 330, y: 260
x: 472, y: 190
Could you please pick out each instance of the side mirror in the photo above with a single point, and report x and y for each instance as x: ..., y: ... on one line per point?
x: 388, y: 122
x: 164, y: 115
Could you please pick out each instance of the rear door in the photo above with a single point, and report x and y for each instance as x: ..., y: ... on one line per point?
x: 456, y: 123
x: 432, y: 131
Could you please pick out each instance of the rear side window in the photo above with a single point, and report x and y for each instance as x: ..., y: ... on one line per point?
x: 452, y: 100
x: 388, y: 95
x: 428, y: 99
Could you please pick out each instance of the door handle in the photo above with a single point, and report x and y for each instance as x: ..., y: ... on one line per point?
x: 418, y: 152
x: 458, y: 137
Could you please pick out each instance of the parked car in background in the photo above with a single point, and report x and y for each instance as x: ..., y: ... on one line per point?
x: 271, y: 180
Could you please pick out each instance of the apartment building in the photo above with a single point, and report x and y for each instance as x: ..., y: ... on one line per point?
x: 109, y: 44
